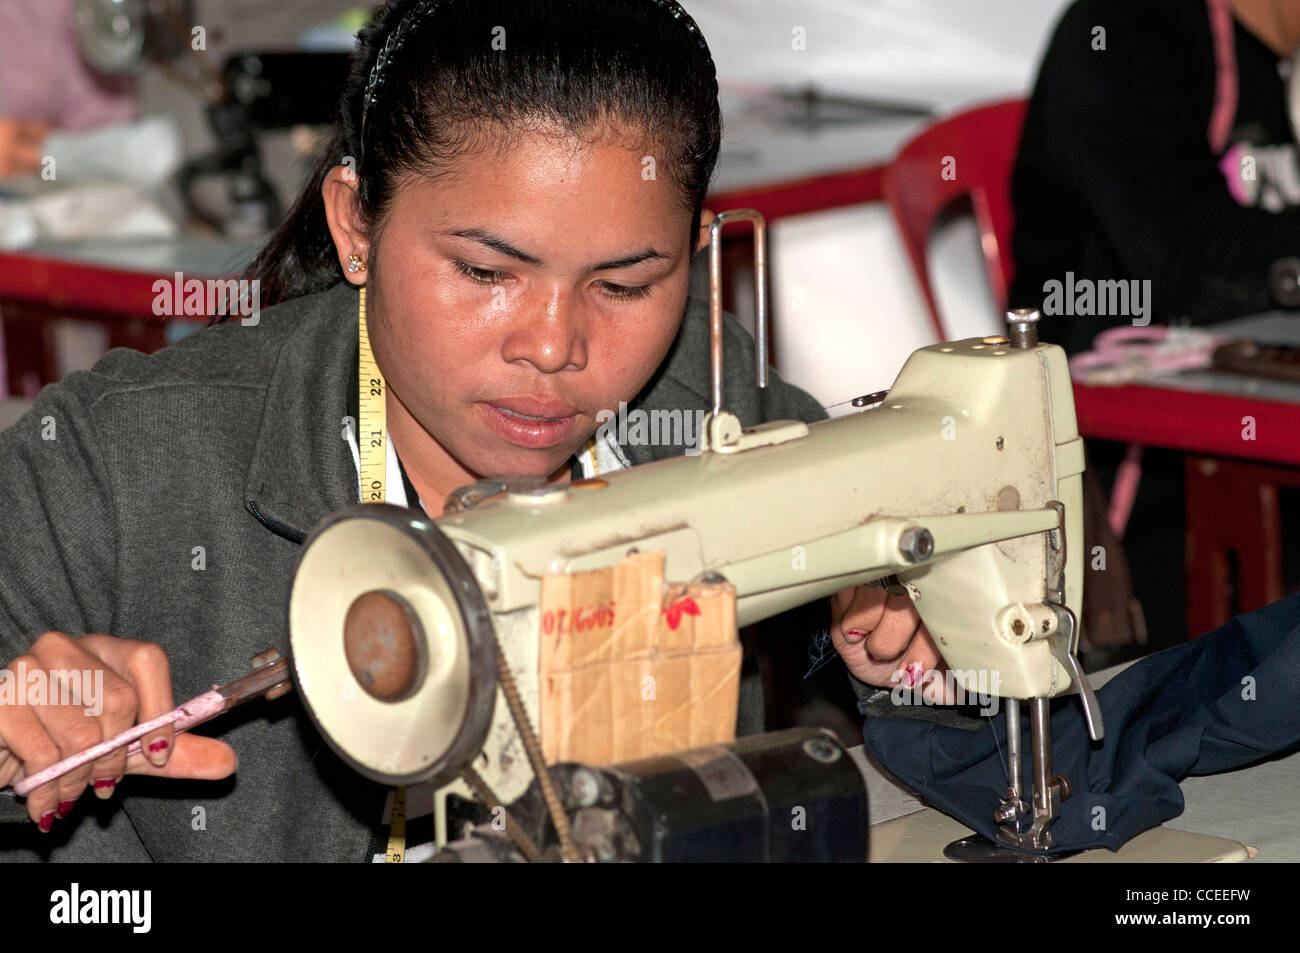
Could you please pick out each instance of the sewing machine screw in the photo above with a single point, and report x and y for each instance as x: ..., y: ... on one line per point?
x: 819, y: 749
x: 1009, y: 811
x: 916, y: 545
x: 1022, y: 327
x: 1064, y: 783
x: 584, y: 788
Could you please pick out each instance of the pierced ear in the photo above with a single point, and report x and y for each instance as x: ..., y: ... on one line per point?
x: 702, y: 239
x: 339, y: 192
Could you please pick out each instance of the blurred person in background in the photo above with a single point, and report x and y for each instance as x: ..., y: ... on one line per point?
x: 45, y: 84
x: 1158, y: 147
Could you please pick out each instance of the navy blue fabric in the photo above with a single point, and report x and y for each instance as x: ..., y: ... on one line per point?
x: 1222, y: 701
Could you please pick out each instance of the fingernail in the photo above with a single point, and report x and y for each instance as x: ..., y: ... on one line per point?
x: 46, y: 822
x: 906, y: 677
x: 854, y: 636
x: 156, y: 752
x: 104, y: 787
x: 64, y: 808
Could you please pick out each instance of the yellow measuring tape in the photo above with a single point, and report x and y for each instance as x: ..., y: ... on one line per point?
x: 373, y: 429
x: 372, y: 445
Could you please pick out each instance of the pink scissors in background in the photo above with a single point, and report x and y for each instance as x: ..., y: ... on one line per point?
x: 1127, y: 354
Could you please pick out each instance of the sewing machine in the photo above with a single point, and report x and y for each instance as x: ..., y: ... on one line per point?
x: 415, y: 641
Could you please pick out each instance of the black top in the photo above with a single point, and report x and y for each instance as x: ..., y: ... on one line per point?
x: 1116, y: 178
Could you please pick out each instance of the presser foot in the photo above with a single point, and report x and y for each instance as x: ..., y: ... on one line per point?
x: 1024, y: 829
x: 1023, y: 835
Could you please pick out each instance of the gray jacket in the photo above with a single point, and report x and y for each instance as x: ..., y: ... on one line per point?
x: 230, y: 440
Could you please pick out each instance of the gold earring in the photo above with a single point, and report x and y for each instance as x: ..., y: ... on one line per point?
x: 355, y: 264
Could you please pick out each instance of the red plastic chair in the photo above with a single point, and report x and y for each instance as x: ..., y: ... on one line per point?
x: 967, y: 155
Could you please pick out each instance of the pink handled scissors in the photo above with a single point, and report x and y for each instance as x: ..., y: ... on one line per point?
x: 1125, y: 354
x: 270, y: 678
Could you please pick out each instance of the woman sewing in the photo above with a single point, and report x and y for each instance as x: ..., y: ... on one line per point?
x: 514, y: 194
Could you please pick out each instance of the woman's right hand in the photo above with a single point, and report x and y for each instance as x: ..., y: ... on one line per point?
x: 136, y: 686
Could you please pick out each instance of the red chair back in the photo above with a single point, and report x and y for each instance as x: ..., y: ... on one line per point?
x: 969, y: 154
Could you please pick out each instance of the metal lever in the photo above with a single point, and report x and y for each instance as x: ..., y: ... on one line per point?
x: 1060, y: 643
x: 715, y: 297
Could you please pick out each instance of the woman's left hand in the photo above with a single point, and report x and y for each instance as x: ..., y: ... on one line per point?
x: 884, y: 642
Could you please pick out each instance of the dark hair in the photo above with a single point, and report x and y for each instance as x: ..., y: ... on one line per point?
x: 572, y: 64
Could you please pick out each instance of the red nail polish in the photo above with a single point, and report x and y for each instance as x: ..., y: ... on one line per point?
x: 46, y: 822
x: 159, y: 745
x: 102, y: 783
x: 854, y: 635
x: 64, y: 808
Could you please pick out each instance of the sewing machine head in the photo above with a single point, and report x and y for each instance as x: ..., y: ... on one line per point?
x: 964, y: 482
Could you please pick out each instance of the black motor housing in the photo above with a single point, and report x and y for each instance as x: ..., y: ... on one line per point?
x: 782, y: 797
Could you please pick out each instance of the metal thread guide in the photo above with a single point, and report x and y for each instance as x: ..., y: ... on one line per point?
x: 723, y: 432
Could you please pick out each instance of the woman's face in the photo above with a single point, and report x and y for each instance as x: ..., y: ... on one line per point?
x: 513, y: 298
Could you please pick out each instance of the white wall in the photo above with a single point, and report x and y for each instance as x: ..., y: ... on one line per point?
x: 846, y: 308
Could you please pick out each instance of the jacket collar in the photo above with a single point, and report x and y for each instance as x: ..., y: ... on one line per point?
x: 301, y: 468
